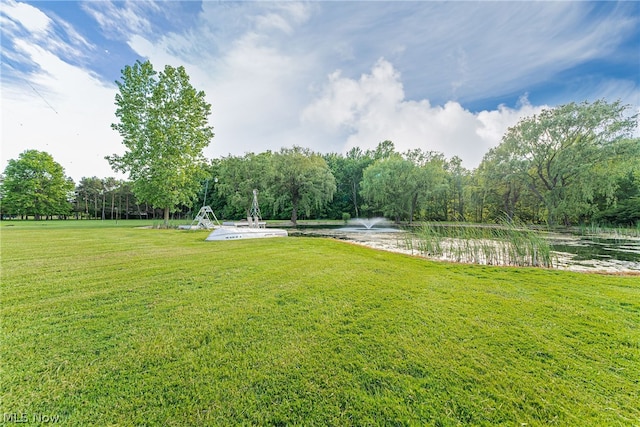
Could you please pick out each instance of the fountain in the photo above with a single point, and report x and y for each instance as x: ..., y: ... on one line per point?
x: 378, y: 225
x: 368, y: 223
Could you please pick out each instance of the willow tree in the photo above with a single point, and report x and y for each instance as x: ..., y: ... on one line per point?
x: 563, y: 154
x: 397, y: 186
x: 238, y: 177
x: 300, y: 179
x: 163, y: 124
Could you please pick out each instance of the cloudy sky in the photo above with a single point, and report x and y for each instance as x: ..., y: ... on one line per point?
x: 327, y: 75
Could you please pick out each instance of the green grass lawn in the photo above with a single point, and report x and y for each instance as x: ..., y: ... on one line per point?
x: 126, y: 326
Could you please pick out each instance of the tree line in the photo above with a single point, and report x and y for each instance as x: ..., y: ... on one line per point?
x: 297, y: 183
x: 576, y: 163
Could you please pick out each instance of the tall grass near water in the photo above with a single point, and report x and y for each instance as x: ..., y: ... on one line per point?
x: 506, y: 244
x: 615, y: 232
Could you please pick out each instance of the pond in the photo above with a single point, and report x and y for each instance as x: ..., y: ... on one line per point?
x: 602, y: 253
x: 597, y: 252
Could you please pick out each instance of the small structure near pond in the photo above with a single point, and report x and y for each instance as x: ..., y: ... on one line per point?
x: 205, y: 219
x: 253, y: 228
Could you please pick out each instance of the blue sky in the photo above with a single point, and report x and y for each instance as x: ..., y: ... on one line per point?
x: 442, y: 76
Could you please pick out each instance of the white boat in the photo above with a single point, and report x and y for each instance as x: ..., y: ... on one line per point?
x: 231, y: 232
x: 253, y: 228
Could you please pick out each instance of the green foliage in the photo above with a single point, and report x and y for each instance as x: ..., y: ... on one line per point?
x: 157, y: 327
x: 397, y: 186
x: 300, y: 179
x: 558, y: 153
x: 238, y: 177
x: 348, y: 170
x: 456, y: 178
x: 624, y: 207
x: 567, y: 165
x: 391, y: 187
x: 88, y: 192
x: 163, y: 123
x: 384, y: 150
x: 626, y: 212
x: 35, y: 184
x: 288, y: 181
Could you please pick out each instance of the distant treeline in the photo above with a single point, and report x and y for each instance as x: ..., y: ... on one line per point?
x: 412, y: 186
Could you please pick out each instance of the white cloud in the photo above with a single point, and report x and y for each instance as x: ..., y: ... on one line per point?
x: 374, y: 108
x: 21, y: 21
x: 495, y: 123
x: 282, y: 16
x: 27, y: 16
x: 121, y: 18
x: 273, y: 21
x: 256, y: 90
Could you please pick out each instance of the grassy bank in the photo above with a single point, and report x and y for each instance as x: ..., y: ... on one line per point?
x: 124, y: 326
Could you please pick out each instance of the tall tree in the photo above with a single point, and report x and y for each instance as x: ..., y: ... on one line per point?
x: 87, y: 192
x: 238, y: 177
x: 300, y: 179
x: 626, y: 209
x: 35, y: 184
x: 163, y: 123
x: 391, y: 186
x: 347, y: 171
x: 456, y: 177
x: 110, y: 186
x: 356, y: 163
x: 558, y: 151
x: 502, y: 186
x: 384, y: 150
x: 400, y: 186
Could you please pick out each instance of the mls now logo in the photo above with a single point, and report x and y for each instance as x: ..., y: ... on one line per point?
x: 23, y: 418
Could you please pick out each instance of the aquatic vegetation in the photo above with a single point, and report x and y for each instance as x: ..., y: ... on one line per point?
x: 613, y: 231
x: 506, y: 244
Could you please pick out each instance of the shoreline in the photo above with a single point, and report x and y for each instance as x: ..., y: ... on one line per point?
x: 396, y: 242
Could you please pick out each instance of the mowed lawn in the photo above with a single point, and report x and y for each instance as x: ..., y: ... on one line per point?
x: 127, y: 326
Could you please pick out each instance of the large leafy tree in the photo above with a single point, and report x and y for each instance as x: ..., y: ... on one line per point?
x: 237, y: 177
x: 626, y: 209
x: 560, y: 152
x: 428, y: 184
x: 398, y: 186
x: 391, y: 187
x: 163, y: 124
x: 502, y: 189
x: 35, y: 184
x: 347, y: 171
x: 457, y: 176
x: 300, y: 179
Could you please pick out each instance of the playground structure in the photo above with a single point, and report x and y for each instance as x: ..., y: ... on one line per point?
x: 205, y: 220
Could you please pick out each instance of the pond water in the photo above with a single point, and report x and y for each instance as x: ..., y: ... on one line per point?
x: 591, y: 252
x: 603, y: 253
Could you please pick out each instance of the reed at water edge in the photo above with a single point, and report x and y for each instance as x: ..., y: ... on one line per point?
x: 507, y: 243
